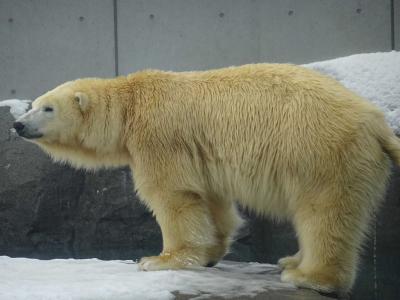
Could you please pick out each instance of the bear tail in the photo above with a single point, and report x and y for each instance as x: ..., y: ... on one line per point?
x: 390, y: 143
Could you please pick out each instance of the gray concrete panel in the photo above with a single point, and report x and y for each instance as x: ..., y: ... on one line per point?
x: 184, y: 35
x: 46, y: 42
x: 305, y: 31
x: 192, y: 34
x: 396, y: 15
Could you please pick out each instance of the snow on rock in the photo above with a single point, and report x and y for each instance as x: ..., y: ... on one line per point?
x: 23, y: 278
x: 374, y: 76
x: 17, y: 107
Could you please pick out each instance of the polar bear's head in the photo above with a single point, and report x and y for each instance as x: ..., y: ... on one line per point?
x: 55, y: 117
x: 77, y: 122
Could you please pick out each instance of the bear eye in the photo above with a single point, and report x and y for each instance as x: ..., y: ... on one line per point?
x: 48, y: 109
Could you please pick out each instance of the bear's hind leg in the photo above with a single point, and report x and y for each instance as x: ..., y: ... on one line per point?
x: 330, y: 232
x: 332, y: 220
x: 189, y: 233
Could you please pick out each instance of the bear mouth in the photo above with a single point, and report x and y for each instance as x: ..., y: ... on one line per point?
x: 33, y: 136
x: 29, y: 135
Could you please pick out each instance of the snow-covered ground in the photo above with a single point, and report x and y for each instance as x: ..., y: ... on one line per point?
x: 22, y: 278
x: 374, y: 76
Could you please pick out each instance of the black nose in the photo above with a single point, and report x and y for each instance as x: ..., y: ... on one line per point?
x: 18, y: 126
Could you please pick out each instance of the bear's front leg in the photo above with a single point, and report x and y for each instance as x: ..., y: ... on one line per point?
x: 189, y: 234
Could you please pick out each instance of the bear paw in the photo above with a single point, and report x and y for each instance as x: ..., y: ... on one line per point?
x: 167, y: 262
x: 319, y: 282
x: 155, y: 263
x: 289, y: 262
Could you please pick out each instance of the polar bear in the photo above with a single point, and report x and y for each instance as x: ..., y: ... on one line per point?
x: 281, y: 140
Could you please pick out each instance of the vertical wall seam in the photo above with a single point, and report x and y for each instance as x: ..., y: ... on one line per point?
x: 115, y: 8
x: 392, y: 24
x: 375, y: 261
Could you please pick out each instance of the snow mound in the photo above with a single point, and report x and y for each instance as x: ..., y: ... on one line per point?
x: 17, y: 107
x: 23, y: 278
x: 374, y: 76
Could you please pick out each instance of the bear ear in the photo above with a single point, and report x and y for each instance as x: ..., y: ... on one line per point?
x: 83, y: 100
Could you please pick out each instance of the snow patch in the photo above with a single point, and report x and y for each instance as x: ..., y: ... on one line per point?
x: 23, y: 278
x: 17, y: 107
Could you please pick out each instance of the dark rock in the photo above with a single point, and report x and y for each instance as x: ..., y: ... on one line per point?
x: 48, y: 210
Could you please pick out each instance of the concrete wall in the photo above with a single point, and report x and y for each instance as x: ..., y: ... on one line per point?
x: 46, y: 42
x: 184, y: 35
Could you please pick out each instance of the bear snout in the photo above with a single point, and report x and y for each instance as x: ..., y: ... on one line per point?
x: 25, y: 131
x: 19, y: 126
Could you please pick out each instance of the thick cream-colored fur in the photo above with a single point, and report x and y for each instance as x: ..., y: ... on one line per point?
x: 281, y: 140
